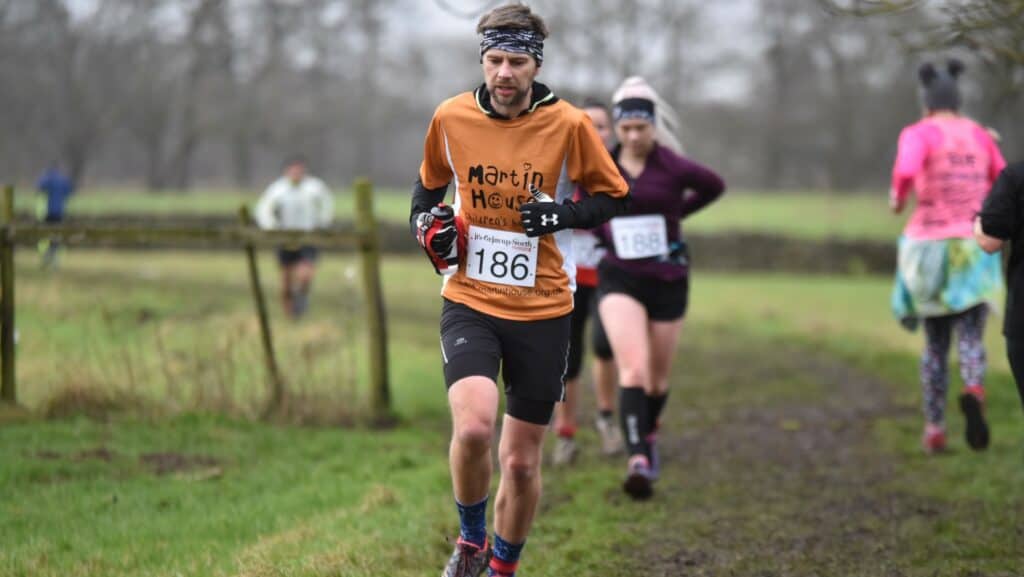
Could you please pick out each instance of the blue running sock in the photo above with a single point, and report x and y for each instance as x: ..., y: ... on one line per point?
x: 505, y: 558
x: 473, y: 522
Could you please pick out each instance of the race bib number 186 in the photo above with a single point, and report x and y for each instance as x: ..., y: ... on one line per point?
x: 502, y: 257
x: 639, y: 236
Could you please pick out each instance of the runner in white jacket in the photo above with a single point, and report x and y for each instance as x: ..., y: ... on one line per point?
x: 296, y: 201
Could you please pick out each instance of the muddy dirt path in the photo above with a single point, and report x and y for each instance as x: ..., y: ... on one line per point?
x: 792, y: 483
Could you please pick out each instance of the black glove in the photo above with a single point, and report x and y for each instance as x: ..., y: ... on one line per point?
x: 547, y: 217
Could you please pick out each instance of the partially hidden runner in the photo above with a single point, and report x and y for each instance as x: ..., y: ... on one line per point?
x: 1002, y: 220
x: 588, y: 253
x: 643, y: 280
x: 945, y: 281
x: 512, y: 150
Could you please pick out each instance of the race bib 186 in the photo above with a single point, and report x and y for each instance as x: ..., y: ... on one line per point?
x: 585, y: 249
x: 639, y: 236
x: 502, y: 257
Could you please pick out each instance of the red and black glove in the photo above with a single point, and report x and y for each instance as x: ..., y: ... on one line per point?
x: 438, y: 232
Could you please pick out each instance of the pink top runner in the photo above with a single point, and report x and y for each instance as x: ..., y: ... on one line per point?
x: 950, y: 163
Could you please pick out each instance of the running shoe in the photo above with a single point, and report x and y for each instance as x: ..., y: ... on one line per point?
x: 565, y: 451
x: 972, y: 405
x: 934, y: 439
x: 468, y: 560
x: 638, y: 478
x: 611, y: 436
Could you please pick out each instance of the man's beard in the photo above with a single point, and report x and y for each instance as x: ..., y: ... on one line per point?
x: 516, y: 99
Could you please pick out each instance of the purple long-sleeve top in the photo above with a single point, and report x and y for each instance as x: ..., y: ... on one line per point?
x: 674, y: 187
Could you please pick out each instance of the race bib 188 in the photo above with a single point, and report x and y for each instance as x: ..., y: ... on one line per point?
x: 639, y: 236
x: 502, y: 257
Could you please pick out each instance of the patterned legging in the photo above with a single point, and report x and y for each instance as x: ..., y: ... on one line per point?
x: 970, y: 329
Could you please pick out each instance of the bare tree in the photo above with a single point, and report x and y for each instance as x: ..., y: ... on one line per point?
x: 171, y: 92
x: 990, y: 27
x: 79, y: 67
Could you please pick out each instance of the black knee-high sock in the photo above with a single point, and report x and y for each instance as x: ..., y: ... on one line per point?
x: 655, y: 404
x: 636, y: 423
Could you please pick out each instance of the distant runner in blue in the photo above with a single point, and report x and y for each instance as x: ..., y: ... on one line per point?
x: 55, y: 189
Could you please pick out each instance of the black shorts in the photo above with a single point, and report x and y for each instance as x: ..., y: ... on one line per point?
x: 599, y: 338
x: 289, y: 256
x: 664, y: 301
x: 585, y: 306
x: 532, y: 355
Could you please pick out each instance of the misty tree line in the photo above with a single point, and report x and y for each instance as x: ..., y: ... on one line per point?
x: 174, y: 93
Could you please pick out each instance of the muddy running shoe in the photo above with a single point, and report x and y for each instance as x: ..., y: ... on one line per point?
x: 638, y: 483
x: 934, y: 439
x: 972, y: 404
x: 467, y: 560
x: 565, y: 451
x: 611, y: 437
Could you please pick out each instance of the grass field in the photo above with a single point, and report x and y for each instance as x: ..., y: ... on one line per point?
x: 792, y: 439
x: 392, y: 204
x: 801, y: 215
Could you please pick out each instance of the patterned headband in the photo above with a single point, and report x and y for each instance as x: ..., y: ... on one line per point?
x: 634, y: 108
x: 513, y: 40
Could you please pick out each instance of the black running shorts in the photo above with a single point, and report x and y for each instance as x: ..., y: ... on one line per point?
x: 664, y: 301
x: 292, y: 256
x: 584, y: 307
x: 599, y: 338
x: 532, y: 355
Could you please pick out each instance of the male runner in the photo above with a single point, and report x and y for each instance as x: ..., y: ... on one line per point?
x: 508, y: 147
x: 296, y: 201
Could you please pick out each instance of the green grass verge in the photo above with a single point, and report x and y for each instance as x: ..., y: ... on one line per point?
x: 391, y: 204
x: 88, y: 497
x: 812, y: 216
x: 796, y: 214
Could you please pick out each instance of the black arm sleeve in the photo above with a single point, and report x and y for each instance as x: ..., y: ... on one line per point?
x: 423, y: 199
x: 1000, y: 213
x: 595, y: 210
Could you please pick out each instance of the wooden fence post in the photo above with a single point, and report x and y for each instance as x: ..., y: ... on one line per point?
x: 8, y: 388
x: 276, y: 382
x: 376, y: 321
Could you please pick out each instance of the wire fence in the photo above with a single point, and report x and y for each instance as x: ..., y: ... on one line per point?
x: 141, y: 347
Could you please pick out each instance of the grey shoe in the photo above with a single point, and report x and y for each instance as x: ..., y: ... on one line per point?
x: 467, y: 560
x: 565, y: 451
x: 611, y: 436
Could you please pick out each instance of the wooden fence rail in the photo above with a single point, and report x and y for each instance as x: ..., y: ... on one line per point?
x: 240, y: 236
x: 142, y: 235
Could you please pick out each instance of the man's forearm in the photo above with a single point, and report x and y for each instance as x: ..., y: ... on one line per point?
x: 593, y: 211
x: 423, y: 199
